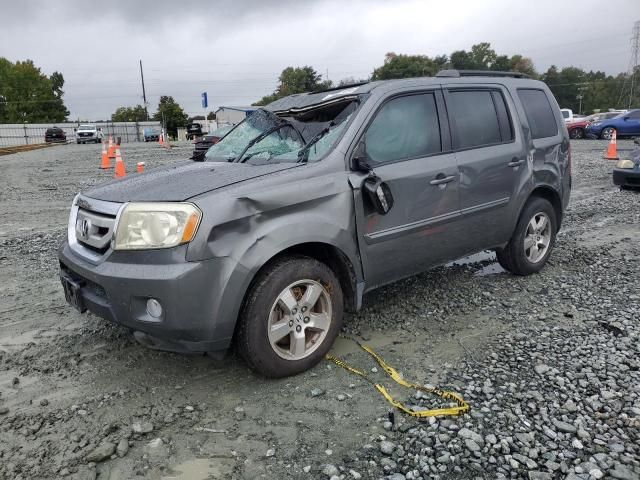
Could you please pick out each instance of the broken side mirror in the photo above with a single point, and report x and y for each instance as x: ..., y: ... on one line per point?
x: 379, y: 194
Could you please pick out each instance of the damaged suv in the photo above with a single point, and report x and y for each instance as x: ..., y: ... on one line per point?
x: 315, y: 200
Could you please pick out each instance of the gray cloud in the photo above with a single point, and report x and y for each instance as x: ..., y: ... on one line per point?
x: 235, y: 50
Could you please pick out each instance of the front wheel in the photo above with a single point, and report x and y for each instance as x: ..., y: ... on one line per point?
x: 291, y: 317
x: 607, y: 133
x: 533, y: 240
x: 576, y: 133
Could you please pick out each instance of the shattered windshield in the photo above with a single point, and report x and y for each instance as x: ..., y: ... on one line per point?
x: 267, y: 138
x: 253, y: 136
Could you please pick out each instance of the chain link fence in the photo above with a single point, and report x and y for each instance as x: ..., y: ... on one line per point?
x: 31, y: 133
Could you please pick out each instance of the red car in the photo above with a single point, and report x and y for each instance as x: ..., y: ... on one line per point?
x: 577, y: 129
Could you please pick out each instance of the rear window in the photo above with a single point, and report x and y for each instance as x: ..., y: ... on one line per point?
x: 539, y: 113
x: 480, y: 118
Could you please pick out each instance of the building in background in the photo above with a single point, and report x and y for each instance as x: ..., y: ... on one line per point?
x: 232, y: 115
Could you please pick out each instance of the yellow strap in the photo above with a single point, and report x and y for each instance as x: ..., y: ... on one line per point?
x: 461, y: 407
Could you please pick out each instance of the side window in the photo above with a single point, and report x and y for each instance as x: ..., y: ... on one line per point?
x: 541, y: 119
x: 635, y: 114
x: 405, y: 127
x: 475, y: 118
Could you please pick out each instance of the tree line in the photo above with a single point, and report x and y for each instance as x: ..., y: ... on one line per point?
x: 28, y: 95
x: 573, y: 87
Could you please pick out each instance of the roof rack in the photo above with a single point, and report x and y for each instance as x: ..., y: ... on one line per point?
x: 480, y: 73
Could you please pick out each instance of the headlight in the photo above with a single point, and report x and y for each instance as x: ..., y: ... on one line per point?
x: 625, y: 164
x: 156, y: 225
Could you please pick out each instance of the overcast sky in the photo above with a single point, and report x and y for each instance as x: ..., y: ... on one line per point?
x: 235, y: 50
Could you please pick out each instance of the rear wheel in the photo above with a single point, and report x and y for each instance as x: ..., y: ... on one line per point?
x: 533, y: 240
x: 576, y: 133
x: 291, y: 317
x: 607, y: 133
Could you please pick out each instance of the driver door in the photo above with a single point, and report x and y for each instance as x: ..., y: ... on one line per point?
x: 408, y: 146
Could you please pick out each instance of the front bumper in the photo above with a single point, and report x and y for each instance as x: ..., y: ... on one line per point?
x: 190, y: 293
x: 626, y: 177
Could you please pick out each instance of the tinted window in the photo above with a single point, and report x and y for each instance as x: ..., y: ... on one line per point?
x: 634, y: 114
x: 539, y: 113
x: 475, y: 117
x: 405, y: 127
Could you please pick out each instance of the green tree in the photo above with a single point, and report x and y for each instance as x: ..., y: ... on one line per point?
x: 405, y: 66
x: 28, y: 95
x: 296, y: 80
x: 171, y: 113
x: 129, y: 114
x: 211, y: 116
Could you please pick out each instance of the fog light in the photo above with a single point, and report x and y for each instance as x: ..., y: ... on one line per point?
x: 154, y: 308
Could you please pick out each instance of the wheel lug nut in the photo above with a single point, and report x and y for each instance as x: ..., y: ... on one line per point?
x: 291, y: 323
x: 298, y: 328
x: 304, y: 309
x: 294, y: 311
x: 306, y: 319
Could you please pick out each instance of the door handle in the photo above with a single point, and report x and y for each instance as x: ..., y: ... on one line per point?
x: 442, y: 180
x: 515, y: 162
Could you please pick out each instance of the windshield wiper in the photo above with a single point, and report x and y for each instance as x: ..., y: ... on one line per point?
x: 303, y: 154
x: 251, y: 143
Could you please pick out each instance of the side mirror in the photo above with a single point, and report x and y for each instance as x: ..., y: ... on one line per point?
x: 378, y: 193
x: 359, y: 158
x: 625, y: 118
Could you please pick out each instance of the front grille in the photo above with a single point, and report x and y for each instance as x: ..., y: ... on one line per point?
x: 94, y: 230
x: 91, y: 227
x: 85, y: 134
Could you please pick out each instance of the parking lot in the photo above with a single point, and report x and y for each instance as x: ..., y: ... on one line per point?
x: 549, y: 363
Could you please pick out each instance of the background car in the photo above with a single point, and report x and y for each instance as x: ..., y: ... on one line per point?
x: 151, y: 134
x: 194, y: 130
x: 203, y: 144
x: 625, y: 125
x: 54, y: 134
x: 626, y: 174
x: 88, y: 134
x: 577, y: 128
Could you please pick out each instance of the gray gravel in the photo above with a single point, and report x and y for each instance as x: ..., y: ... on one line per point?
x: 548, y: 363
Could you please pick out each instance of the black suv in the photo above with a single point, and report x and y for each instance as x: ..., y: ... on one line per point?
x: 54, y: 134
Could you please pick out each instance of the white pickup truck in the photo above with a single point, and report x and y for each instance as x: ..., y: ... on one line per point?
x: 88, y: 133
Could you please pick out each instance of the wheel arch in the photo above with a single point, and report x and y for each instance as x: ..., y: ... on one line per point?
x: 551, y: 195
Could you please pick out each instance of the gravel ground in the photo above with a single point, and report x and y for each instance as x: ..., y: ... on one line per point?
x: 549, y: 363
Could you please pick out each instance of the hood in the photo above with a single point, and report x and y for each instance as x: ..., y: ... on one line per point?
x: 180, y: 181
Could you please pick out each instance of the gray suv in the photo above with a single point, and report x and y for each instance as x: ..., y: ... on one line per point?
x: 315, y: 200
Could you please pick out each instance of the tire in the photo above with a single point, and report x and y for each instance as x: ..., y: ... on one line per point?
x: 606, y: 133
x: 518, y: 259
x: 78, y: 142
x: 264, y: 308
x: 576, y: 133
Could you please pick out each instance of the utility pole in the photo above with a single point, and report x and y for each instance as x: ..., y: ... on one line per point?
x: 144, y: 94
x: 635, y: 55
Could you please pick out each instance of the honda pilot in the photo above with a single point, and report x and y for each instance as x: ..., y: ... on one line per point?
x: 315, y: 200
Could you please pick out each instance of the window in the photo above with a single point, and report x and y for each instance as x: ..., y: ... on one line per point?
x: 405, y: 127
x: 634, y: 114
x: 475, y: 118
x: 540, y: 116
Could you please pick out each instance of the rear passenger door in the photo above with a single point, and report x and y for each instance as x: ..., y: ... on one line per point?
x: 407, y: 145
x: 491, y: 158
x: 630, y: 124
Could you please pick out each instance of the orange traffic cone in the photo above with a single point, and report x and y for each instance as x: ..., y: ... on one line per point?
x: 612, y: 149
x: 104, y: 163
x: 140, y: 167
x: 111, y: 153
x: 161, y: 139
x: 119, y: 171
